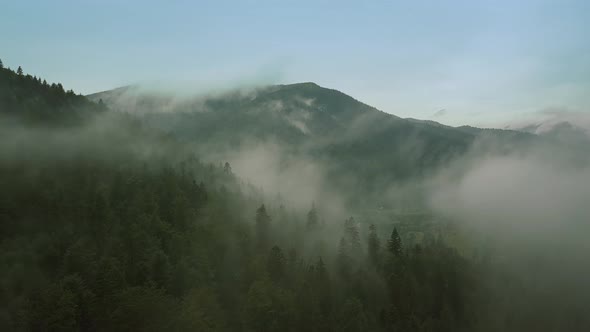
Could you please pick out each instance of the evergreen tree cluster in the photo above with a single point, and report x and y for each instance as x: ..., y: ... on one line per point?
x: 114, y: 236
x: 94, y: 245
x: 33, y: 100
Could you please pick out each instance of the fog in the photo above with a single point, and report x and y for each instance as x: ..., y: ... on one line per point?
x: 104, y: 137
x: 528, y: 213
x: 526, y: 197
x: 520, y: 207
x: 547, y: 119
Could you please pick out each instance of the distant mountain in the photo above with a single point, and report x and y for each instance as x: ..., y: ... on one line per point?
x: 363, y: 150
x: 563, y: 126
x: 303, y: 111
x: 563, y: 131
x: 290, y: 112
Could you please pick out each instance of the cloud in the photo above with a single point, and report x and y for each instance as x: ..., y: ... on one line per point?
x: 545, y: 120
x: 530, y: 210
x: 439, y: 113
x: 517, y: 193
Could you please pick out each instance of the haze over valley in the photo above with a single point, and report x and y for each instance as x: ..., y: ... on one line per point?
x: 275, y: 203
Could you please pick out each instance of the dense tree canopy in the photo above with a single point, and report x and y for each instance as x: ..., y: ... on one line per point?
x: 29, y: 98
x: 125, y: 230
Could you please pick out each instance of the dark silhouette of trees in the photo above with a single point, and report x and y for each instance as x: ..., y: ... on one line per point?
x: 374, y: 245
x: 262, y: 228
x: 31, y: 100
x: 394, y: 245
x: 312, y: 218
x: 97, y: 234
x: 227, y: 168
x: 352, y: 236
x: 276, y: 264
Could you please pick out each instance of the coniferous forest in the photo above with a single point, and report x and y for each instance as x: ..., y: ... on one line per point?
x: 109, y: 224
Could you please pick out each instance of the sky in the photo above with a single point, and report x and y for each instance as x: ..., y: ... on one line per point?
x: 455, y: 62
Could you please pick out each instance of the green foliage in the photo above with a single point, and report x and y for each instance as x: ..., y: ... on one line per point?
x: 121, y: 247
x: 312, y: 218
x: 262, y: 228
x: 394, y: 245
x: 26, y: 98
x: 352, y: 317
x: 131, y: 233
x: 276, y: 264
x: 374, y: 245
x: 362, y: 150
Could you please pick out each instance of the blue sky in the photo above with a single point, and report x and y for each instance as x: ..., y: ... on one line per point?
x: 479, y: 61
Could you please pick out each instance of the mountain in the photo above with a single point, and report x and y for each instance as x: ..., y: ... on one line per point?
x: 107, y: 225
x: 285, y: 112
x: 563, y: 131
x: 565, y: 126
x: 361, y: 149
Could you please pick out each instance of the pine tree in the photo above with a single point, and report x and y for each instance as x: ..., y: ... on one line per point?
x: 312, y: 218
x: 1, y: 64
x: 322, y: 287
x: 321, y: 275
x: 19, y: 71
x: 262, y: 227
x: 321, y: 268
x: 351, y: 233
x: 374, y: 245
x: 292, y: 258
x: 276, y: 264
x: 227, y: 168
x: 395, y: 243
x: 344, y: 257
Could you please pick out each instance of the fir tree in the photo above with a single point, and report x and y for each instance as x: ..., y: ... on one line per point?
x: 262, y: 227
x: 351, y: 233
x: 395, y: 243
x: 374, y: 245
x: 312, y: 218
x: 276, y: 264
x: 344, y: 257
x: 227, y: 168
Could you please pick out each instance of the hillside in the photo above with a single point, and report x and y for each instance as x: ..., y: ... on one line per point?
x: 28, y: 98
x: 358, y: 148
x: 108, y: 226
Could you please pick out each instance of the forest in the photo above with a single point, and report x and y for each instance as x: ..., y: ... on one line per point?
x: 108, y: 224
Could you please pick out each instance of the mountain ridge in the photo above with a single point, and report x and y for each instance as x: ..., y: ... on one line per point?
x: 360, y: 148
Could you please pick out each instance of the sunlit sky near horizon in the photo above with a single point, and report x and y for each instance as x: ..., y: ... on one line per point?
x: 456, y: 62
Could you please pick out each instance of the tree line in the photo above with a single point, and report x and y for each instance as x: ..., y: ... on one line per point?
x: 112, y: 236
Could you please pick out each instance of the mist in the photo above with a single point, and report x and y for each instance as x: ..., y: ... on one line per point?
x: 279, y: 208
x: 527, y: 214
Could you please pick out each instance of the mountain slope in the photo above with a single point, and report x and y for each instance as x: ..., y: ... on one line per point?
x: 304, y: 111
x: 28, y: 98
x: 107, y: 227
x: 360, y: 149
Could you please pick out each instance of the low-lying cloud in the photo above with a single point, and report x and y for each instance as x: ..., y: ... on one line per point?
x: 546, y: 120
x: 532, y: 212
